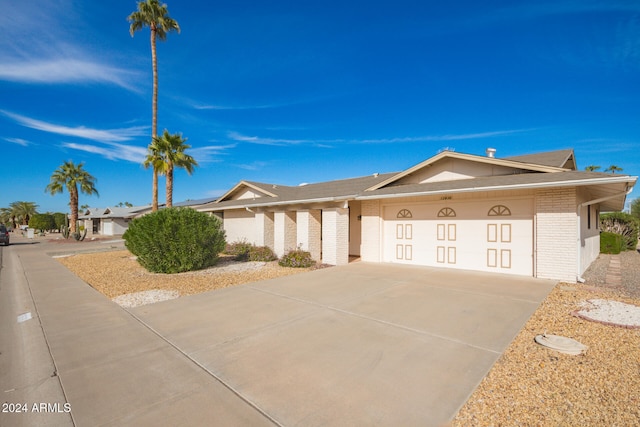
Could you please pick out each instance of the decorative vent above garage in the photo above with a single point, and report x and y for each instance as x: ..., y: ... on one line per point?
x: 404, y: 213
x: 446, y: 213
x: 499, y: 210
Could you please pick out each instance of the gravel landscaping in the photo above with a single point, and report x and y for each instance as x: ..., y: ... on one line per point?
x: 529, y: 384
x: 533, y: 385
x: 117, y: 273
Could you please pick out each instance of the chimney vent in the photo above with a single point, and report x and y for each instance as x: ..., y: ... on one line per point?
x: 491, y: 152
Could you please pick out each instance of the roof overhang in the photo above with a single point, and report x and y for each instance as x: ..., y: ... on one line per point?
x: 612, y: 190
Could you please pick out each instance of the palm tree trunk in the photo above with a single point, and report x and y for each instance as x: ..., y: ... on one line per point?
x: 154, y: 113
x: 170, y: 185
x: 73, y: 204
x: 154, y: 203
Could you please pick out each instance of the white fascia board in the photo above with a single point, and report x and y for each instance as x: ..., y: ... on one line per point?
x: 283, y: 203
x: 574, y: 183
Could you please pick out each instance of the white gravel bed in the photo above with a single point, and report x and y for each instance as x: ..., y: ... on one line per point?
x: 612, y: 312
x: 145, y: 297
x: 231, y: 267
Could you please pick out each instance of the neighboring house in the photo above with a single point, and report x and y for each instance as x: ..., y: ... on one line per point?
x: 194, y: 204
x: 532, y: 215
x: 111, y: 221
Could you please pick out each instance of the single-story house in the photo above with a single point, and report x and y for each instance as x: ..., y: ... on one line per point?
x: 532, y: 215
x: 110, y: 221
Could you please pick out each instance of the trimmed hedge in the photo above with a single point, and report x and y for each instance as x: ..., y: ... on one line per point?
x: 297, y: 258
x: 174, y: 240
x: 610, y: 243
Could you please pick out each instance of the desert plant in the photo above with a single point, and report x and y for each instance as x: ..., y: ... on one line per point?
x: 174, y: 240
x: 623, y: 224
x: 297, y: 258
x: 65, y: 228
x: 610, y: 243
x: 239, y: 250
x: 262, y: 254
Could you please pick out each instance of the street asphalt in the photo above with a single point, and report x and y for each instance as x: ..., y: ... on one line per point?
x: 362, y: 344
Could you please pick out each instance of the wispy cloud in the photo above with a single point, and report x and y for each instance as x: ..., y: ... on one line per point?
x: 328, y: 143
x: 210, y: 153
x: 57, y: 53
x: 101, y: 135
x: 18, y: 141
x: 65, y: 70
x: 111, y: 151
x: 253, y: 166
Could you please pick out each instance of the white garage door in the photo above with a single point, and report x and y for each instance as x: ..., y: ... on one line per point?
x: 484, y: 235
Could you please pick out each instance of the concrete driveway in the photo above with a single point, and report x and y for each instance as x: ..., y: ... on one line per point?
x: 363, y: 344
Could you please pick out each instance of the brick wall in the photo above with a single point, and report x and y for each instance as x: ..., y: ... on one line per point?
x: 309, y: 232
x: 264, y: 229
x: 335, y: 236
x: 556, y: 234
x: 284, y: 232
x: 370, y: 248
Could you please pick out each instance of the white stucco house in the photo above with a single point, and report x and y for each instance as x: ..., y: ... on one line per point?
x: 532, y: 215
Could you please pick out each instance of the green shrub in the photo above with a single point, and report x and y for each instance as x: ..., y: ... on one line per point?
x: 261, y: 253
x: 239, y: 250
x: 610, y: 243
x: 42, y: 222
x: 174, y: 240
x: 623, y: 224
x: 245, y: 251
x: 297, y: 258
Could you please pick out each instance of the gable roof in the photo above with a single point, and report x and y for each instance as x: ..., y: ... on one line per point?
x: 609, y: 190
x: 337, y: 190
x: 533, y: 167
x: 559, y: 158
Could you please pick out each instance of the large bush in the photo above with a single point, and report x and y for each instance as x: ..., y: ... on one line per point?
x: 174, y: 240
x: 623, y: 224
x: 42, y: 222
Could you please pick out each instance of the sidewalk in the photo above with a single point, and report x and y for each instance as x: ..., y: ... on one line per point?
x: 111, y: 368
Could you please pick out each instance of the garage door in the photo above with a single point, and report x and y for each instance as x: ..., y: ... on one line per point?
x: 484, y: 235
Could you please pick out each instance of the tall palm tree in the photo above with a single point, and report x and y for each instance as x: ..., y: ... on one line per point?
x: 152, y: 14
x: 592, y: 168
x: 72, y: 176
x: 22, y: 211
x: 172, y: 150
x: 613, y: 169
x: 155, y: 161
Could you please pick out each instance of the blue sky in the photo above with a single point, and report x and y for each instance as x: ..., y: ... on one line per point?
x: 290, y: 92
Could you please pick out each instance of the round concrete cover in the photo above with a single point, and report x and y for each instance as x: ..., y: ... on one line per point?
x: 562, y: 344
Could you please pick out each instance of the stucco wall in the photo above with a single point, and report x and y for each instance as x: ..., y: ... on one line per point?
x: 557, y: 234
x: 239, y: 225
